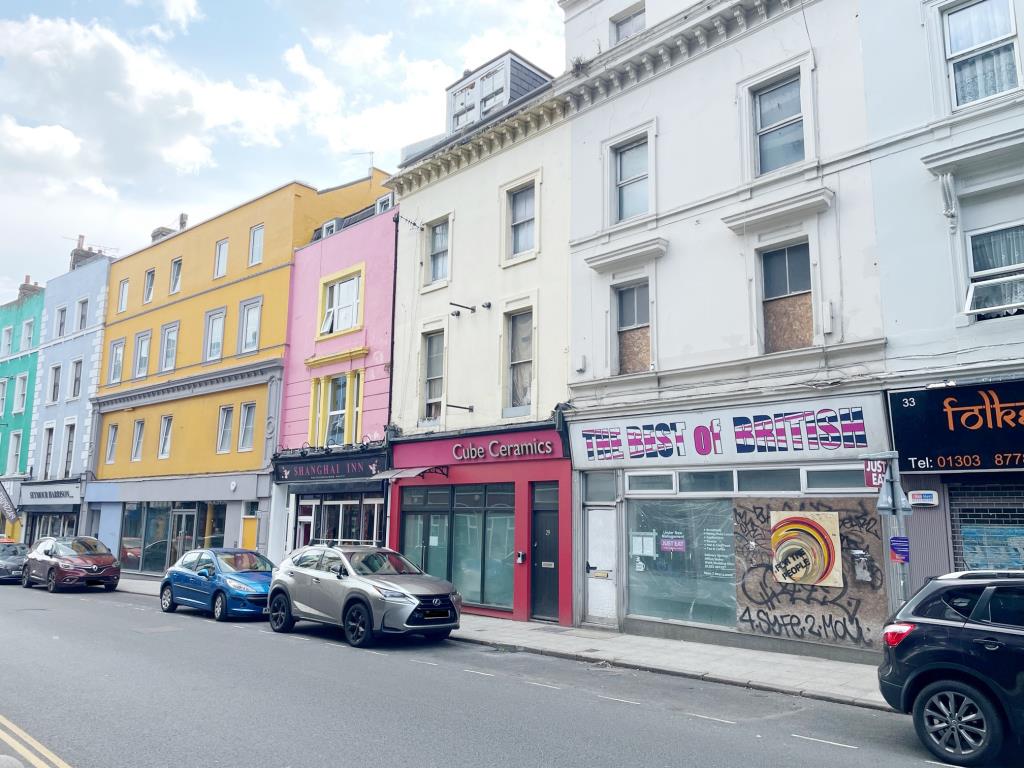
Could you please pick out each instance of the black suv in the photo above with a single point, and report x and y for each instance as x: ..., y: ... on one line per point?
x: 954, y: 657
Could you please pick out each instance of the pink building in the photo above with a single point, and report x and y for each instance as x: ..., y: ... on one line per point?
x: 336, y: 384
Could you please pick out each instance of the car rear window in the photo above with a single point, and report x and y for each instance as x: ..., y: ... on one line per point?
x: 954, y: 604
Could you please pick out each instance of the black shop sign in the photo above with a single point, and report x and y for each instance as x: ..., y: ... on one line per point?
x: 332, y: 466
x: 959, y: 429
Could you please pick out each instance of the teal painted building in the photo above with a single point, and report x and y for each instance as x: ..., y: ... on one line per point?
x: 20, y: 330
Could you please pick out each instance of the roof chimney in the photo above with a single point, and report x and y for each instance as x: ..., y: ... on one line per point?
x: 28, y: 288
x: 182, y: 221
x: 160, y: 233
x: 81, y: 242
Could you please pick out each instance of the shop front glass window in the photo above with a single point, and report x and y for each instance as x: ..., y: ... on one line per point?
x: 498, y: 559
x: 466, y: 547
x: 210, y: 525
x: 154, y: 553
x: 681, y: 560
x: 412, y: 540
x: 131, y: 538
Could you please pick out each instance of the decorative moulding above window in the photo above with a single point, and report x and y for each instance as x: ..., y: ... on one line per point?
x: 770, y: 215
x: 628, y: 255
x: 1005, y: 148
x: 339, y: 357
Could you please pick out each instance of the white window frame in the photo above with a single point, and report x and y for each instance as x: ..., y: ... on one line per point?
x: 20, y: 393
x: 801, y: 66
x: 49, y: 436
x: 143, y: 337
x: 138, y: 436
x: 220, y: 259
x: 762, y: 252
x: 254, y: 257
x: 174, y: 279
x: 28, y: 328
x: 630, y: 14
x: 7, y: 341
x: 122, y: 296
x: 621, y: 183
x: 53, y: 384
x: 67, y: 458
x: 75, y: 388
x: 148, y: 284
x: 498, y: 73
x: 243, y: 315
x: 164, y: 438
x: 332, y: 414
x: 116, y: 356
x: 165, y: 331
x: 952, y: 59
x: 225, y: 422
x: 733, y: 470
x: 328, y: 228
x: 425, y: 381
x: 609, y: 152
x: 332, y: 306
x: 762, y: 130
x: 989, y: 276
x: 511, y: 410
x: 384, y: 203
x: 14, y: 457
x: 617, y: 291
x: 82, y: 312
x: 429, y: 253
x: 110, y: 453
x: 3, y: 398
x: 211, y: 315
x: 246, y: 421
x: 60, y: 323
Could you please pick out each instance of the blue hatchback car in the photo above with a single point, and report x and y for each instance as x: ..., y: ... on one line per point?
x: 225, y: 582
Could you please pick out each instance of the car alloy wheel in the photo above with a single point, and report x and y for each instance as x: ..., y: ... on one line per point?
x: 281, y: 614
x: 167, y: 604
x: 26, y: 580
x: 51, y: 582
x: 357, y: 625
x: 955, y: 723
x: 220, y: 607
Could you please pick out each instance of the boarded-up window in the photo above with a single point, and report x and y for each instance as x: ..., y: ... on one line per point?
x: 788, y: 317
x: 634, y: 330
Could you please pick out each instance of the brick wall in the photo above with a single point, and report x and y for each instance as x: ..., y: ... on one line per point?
x: 981, y: 505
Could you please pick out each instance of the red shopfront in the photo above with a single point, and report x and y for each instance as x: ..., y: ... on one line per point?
x: 492, y: 512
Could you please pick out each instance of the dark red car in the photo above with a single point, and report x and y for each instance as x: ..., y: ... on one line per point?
x: 73, y: 561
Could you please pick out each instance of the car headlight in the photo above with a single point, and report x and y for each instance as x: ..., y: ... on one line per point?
x: 116, y: 564
x: 393, y: 594
x: 240, y: 586
x: 456, y: 596
x: 67, y: 565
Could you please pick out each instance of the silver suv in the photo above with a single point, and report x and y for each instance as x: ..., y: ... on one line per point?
x: 367, y: 591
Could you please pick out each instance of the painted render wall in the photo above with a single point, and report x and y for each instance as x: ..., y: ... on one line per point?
x: 706, y: 290
x: 370, y: 243
x: 476, y: 343
x: 13, y: 315
x: 87, y: 282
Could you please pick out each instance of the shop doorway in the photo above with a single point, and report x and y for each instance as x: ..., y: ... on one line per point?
x: 183, y: 534
x: 544, y: 566
x: 601, y: 566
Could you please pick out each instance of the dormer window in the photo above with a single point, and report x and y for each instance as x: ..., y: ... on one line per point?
x: 492, y: 88
x: 329, y: 228
x: 462, y: 107
x: 628, y: 25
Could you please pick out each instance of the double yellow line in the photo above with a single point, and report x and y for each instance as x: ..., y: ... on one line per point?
x: 28, y: 748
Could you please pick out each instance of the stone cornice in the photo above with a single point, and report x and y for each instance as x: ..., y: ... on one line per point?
x: 672, y: 43
x: 628, y: 256
x: 769, y: 215
x: 260, y: 372
x: 337, y: 357
x: 1001, y: 147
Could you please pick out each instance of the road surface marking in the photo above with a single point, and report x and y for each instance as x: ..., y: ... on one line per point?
x: 612, y: 698
x: 822, y: 741
x: 947, y: 765
x: 377, y: 653
x: 420, y: 661
x: 709, y: 717
x: 474, y: 672
x: 543, y: 685
x: 55, y: 762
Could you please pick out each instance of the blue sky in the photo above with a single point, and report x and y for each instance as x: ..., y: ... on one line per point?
x: 116, y: 115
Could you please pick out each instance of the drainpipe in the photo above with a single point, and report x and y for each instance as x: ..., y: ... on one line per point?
x: 394, y: 293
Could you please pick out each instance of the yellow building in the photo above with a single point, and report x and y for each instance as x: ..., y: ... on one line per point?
x: 190, y: 378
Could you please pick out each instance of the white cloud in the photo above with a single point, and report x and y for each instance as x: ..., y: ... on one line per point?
x: 54, y: 140
x: 182, y: 12
x: 189, y: 154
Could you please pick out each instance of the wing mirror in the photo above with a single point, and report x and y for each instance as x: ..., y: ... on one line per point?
x: 206, y: 573
x: 339, y: 570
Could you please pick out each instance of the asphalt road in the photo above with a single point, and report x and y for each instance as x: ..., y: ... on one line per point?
x: 108, y: 680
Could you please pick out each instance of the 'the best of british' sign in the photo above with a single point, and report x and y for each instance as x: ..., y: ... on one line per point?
x: 839, y: 428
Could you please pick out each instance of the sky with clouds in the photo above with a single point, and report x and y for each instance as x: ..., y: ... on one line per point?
x: 117, y: 115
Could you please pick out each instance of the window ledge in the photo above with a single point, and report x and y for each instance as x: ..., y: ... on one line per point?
x: 338, y: 357
x: 769, y: 215
x: 514, y: 412
x: 520, y: 258
x: 436, y: 286
x: 979, y: 154
x: 628, y: 255
x: 337, y: 334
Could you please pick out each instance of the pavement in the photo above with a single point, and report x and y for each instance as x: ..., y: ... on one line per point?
x: 836, y: 681
x: 100, y: 679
